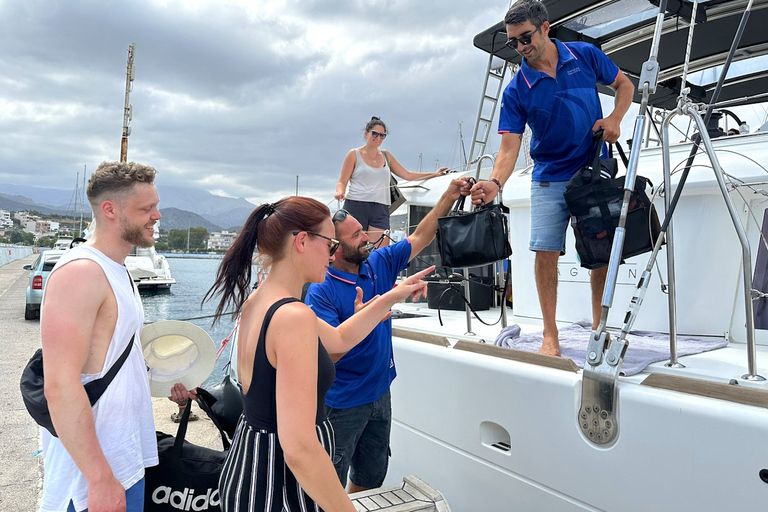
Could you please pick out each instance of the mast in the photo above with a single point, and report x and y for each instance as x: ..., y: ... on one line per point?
x: 130, y: 74
x: 82, y: 201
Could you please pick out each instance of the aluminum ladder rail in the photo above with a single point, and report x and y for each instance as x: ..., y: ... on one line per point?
x: 494, y: 78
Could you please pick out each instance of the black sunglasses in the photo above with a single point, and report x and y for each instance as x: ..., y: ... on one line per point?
x: 524, y: 40
x: 377, y: 135
x: 334, y: 243
x: 339, y: 216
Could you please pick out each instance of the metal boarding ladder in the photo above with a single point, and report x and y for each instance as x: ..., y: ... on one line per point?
x: 494, y: 78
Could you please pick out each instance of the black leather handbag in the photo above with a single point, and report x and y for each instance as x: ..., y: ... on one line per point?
x: 187, y: 477
x: 594, y: 198
x: 473, y: 238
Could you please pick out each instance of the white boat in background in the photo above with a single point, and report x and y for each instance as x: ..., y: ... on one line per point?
x: 498, y: 429
x: 63, y: 243
x: 149, y: 270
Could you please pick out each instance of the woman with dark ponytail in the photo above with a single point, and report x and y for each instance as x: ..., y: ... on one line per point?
x: 367, y: 169
x: 279, y: 458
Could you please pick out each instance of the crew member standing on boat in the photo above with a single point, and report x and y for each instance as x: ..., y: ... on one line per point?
x: 367, y: 171
x: 359, y: 403
x: 555, y: 93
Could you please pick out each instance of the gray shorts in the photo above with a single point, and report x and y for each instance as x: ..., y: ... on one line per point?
x: 368, y: 214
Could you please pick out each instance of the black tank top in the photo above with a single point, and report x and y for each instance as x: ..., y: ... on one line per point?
x: 260, y: 400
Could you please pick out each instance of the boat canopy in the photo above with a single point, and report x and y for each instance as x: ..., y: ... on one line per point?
x: 623, y: 29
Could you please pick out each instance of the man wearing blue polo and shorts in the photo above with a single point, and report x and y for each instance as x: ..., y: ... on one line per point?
x: 359, y: 401
x: 555, y: 93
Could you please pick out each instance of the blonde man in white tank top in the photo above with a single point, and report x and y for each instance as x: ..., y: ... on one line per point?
x: 367, y: 169
x: 90, y: 311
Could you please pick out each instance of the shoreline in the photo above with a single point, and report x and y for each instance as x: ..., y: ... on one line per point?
x: 21, y: 481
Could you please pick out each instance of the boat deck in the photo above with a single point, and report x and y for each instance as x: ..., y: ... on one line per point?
x: 417, y: 321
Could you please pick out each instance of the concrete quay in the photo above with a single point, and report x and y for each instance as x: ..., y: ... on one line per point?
x: 21, y: 476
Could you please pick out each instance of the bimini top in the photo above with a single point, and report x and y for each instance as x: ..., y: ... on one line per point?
x: 623, y: 29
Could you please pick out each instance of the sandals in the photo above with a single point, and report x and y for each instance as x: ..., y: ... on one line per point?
x: 176, y: 416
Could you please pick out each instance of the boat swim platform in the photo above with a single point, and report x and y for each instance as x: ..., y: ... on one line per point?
x: 412, y: 495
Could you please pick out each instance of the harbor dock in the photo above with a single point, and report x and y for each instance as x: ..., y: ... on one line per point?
x: 21, y: 479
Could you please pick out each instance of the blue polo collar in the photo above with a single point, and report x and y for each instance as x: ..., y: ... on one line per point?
x: 531, y: 76
x: 348, y: 277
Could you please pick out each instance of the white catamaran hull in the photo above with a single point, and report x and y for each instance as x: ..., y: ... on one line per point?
x: 497, y: 434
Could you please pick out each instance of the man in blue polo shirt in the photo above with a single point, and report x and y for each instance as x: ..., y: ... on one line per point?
x: 555, y: 93
x: 359, y: 402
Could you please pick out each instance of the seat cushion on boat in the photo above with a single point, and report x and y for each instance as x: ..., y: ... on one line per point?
x: 645, y: 347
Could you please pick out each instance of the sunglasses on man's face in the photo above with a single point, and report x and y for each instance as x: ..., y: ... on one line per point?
x: 377, y: 135
x: 332, y: 246
x: 339, y: 216
x: 524, y: 39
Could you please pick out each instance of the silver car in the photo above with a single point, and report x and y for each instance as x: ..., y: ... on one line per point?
x: 38, y: 276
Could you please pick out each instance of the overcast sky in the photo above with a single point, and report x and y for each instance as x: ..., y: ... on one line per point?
x: 236, y: 97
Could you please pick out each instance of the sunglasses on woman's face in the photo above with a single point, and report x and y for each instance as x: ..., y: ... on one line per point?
x: 332, y: 246
x: 377, y: 135
x: 524, y: 39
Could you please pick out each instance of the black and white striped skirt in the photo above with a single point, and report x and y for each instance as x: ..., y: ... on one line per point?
x: 256, y: 478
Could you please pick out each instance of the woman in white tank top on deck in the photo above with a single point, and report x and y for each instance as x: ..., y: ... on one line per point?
x: 366, y: 169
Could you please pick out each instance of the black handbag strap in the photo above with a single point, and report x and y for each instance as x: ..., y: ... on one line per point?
x: 207, y: 410
x: 96, y: 388
x: 462, y: 198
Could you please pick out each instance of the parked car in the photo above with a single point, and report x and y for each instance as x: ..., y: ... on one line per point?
x: 38, y: 276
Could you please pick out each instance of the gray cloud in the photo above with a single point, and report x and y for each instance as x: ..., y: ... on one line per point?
x: 235, y: 97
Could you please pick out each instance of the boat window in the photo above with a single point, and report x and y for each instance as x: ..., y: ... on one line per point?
x: 760, y: 279
x: 613, y: 17
x: 737, y: 69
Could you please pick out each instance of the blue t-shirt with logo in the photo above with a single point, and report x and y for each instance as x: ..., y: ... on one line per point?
x: 365, y: 373
x: 560, y: 111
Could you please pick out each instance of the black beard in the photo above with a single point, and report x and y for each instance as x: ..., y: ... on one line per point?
x: 354, y: 255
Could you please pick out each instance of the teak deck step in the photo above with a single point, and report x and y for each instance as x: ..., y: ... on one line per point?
x: 410, y: 496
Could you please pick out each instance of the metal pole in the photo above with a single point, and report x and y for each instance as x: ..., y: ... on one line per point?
x: 130, y: 73
x: 671, y: 287
x: 746, y: 256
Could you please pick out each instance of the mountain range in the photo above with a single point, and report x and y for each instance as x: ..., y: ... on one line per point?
x: 181, y: 206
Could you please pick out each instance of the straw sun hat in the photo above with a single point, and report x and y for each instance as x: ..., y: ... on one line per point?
x: 176, y: 352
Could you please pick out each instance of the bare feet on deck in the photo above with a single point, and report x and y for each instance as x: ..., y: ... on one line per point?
x: 550, y: 347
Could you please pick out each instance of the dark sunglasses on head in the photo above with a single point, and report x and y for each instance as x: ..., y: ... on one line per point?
x: 339, y: 216
x: 377, y: 135
x: 524, y: 39
x: 333, y: 245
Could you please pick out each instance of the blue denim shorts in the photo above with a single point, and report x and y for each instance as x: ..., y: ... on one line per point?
x: 549, y: 216
x: 362, y: 442
x: 134, y: 498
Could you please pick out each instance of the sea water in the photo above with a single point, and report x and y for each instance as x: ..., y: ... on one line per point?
x: 194, y: 276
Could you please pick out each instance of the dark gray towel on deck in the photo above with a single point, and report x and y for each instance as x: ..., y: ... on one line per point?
x: 645, y: 347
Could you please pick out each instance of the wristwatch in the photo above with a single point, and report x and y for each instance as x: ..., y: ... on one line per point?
x: 498, y: 184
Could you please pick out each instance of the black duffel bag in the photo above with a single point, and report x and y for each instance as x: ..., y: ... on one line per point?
x: 187, y: 477
x: 473, y: 238
x: 594, y: 201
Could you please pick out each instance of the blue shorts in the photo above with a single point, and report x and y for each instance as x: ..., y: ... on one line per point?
x: 362, y: 442
x: 368, y: 214
x: 134, y: 498
x: 549, y: 216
